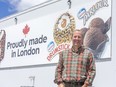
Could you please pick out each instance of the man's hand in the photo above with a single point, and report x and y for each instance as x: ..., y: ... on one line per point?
x: 61, y: 85
x: 85, y: 85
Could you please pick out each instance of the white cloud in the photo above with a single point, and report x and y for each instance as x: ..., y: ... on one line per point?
x: 19, y: 5
x: 24, y: 4
x: 13, y: 5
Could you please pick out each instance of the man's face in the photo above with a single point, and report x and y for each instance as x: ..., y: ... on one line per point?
x: 77, y: 38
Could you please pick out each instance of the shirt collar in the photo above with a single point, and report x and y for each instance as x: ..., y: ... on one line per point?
x: 80, y: 49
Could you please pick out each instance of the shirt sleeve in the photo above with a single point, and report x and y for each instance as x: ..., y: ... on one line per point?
x: 91, y: 69
x: 59, y: 68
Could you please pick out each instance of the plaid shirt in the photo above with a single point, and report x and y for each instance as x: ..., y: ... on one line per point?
x: 75, y: 66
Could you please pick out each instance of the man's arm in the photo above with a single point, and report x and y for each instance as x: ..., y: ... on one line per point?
x: 91, y: 70
x: 58, y: 72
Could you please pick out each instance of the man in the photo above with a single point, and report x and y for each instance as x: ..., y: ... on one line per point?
x: 76, y: 66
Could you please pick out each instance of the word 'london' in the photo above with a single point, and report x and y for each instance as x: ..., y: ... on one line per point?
x: 23, y: 43
x: 93, y: 9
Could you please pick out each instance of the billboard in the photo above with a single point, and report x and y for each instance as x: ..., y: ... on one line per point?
x: 39, y: 41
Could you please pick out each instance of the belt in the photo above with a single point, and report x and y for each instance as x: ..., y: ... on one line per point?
x: 74, y: 83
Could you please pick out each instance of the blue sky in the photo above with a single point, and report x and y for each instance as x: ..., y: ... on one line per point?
x: 6, y: 9
x: 9, y: 7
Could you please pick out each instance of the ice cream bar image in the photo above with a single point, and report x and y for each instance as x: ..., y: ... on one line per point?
x: 95, y: 36
x: 2, y: 44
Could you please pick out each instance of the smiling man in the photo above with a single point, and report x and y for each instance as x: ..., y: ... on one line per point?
x: 76, y: 66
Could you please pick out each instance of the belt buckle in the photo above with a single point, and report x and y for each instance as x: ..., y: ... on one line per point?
x: 78, y: 83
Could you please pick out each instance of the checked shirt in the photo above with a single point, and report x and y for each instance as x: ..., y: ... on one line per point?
x: 75, y: 66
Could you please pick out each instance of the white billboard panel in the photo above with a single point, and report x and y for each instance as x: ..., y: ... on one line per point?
x: 39, y: 41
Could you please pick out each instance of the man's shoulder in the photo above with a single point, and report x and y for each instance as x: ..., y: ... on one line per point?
x: 87, y: 49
